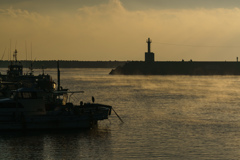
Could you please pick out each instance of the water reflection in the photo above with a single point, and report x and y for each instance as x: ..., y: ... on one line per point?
x: 71, y: 144
x: 166, y: 117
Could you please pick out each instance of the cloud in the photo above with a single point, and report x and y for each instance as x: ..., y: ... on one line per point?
x: 111, y: 32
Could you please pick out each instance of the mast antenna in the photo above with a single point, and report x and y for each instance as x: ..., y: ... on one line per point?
x: 10, y: 50
x: 15, y: 55
x: 15, y: 52
x: 3, y: 53
x: 26, y: 49
x: 58, y: 75
x: 31, y: 51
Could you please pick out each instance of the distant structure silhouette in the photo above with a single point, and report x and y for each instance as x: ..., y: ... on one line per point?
x: 151, y: 67
x: 149, y: 56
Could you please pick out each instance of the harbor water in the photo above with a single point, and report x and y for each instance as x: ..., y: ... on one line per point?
x: 165, y: 117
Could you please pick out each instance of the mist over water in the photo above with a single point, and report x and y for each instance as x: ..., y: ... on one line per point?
x: 166, y: 117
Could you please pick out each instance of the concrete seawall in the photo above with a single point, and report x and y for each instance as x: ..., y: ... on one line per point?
x: 178, y: 68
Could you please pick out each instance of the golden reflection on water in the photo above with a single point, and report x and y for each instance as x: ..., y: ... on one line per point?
x: 166, y: 117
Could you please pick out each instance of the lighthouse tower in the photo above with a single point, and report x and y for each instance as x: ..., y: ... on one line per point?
x: 149, y: 56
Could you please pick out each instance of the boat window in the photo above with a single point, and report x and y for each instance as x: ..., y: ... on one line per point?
x: 19, y: 95
x: 29, y: 95
x: 26, y: 95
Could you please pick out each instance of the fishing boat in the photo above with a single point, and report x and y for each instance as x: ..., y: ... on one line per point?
x: 27, y: 108
x: 34, y: 103
x: 15, y: 79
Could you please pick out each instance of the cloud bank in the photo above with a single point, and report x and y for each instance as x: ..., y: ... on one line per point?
x: 111, y: 32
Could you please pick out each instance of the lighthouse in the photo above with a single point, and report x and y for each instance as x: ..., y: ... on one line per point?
x: 149, y: 56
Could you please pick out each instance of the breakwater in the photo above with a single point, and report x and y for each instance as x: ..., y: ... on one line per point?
x: 178, y: 68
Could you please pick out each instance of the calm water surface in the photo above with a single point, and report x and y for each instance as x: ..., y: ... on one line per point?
x: 166, y: 117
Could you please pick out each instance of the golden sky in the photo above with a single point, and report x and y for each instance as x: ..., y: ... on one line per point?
x: 117, y: 30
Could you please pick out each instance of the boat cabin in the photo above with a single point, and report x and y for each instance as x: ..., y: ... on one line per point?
x: 31, y: 99
x: 15, y: 70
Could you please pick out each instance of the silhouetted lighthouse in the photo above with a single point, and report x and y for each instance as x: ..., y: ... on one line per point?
x: 149, y: 56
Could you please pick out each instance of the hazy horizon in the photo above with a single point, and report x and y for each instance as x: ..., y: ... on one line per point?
x: 103, y: 30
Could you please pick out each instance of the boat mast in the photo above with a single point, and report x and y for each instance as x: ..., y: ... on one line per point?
x: 15, y: 55
x: 58, y: 76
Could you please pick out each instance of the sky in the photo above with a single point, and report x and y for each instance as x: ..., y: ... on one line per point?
x: 104, y: 30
